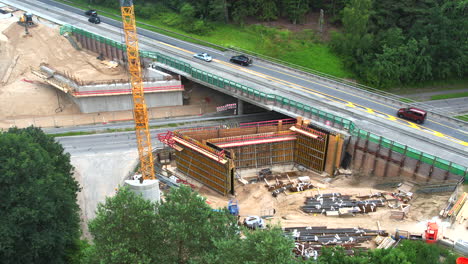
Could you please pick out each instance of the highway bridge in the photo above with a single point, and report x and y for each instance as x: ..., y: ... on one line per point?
x: 282, y: 89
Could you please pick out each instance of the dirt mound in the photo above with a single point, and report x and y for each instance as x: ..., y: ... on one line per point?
x: 23, y: 94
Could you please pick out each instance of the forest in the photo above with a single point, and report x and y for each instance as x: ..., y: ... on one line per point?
x: 385, y: 43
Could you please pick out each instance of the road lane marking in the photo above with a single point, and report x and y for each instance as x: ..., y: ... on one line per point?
x: 348, y: 103
x: 335, y: 99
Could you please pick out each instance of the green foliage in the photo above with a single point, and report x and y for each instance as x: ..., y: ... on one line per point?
x: 267, y: 10
x: 295, y: 10
x: 121, y: 229
x: 77, y: 253
x: 463, y: 117
x: 301, y: 48
x: 449, y: 96
x: 258, y: 247
x: 394, y: 42
x: 190, y: 226
x: 74, y: 133
x: 419, y: 252
x: 408, y: 252
x: 129, y: 229
x: 39, y: 215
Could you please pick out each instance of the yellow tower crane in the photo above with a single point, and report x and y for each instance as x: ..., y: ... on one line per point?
x: 140, y: 113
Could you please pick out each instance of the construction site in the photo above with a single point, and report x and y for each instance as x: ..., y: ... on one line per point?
x: 323, y: 185
x: 61, y: 84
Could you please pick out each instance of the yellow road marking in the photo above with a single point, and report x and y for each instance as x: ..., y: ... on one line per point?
x: 348, y: 103
x: 324, y: 95
x: 174, y: 47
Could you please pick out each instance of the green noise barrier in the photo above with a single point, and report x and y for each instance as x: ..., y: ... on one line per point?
x: 282, y: 102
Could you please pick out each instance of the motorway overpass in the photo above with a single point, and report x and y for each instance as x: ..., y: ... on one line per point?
x: 439, y: 136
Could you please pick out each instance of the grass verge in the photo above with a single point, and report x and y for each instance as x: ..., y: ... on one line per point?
x: 111, y: 130
x: 463, y: 118
x: 77, y: 133
x: 407, y: 100
x: 430, y: 86
x: 449, y: 96
x: 301, y: 48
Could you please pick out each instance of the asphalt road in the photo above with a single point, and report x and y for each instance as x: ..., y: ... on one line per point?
x: 293, y: 82
x: 290, y: 82
x: 455, y: 105
x: 126, y: 141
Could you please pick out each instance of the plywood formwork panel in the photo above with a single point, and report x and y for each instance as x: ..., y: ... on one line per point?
x: 263, y: 155
x: 334, y: 152
x: 259, y: 150
x: 211, y: 173
x: 311, y: 148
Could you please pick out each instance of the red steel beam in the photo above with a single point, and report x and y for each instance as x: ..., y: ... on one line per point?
x: 256, y: 142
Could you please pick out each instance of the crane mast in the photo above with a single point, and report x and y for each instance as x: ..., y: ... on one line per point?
x: 140, y: 113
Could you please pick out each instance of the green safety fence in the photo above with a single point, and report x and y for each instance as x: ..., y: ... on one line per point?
x: 223, y: 83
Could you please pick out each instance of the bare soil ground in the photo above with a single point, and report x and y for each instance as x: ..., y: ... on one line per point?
x: 24, y: 96
x: 255, y: 199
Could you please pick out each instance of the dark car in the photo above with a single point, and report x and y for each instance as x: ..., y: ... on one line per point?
x: 91, y: 12
x: 413, y: 114
x: 94, y: 20
x: 241, y: 59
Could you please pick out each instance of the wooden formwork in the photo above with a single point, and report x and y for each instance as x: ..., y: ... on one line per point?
x: 216, y: 174
x: 310, y: 148
x: 259, y: 150
x: 205, y: 133
x: 264, y: 155
x: 211, y: 154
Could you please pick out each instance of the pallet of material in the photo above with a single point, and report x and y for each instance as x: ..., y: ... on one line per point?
x: 397, y: 215
x: 462, y: 213
x: 458, y: 204
x: 386, y: 243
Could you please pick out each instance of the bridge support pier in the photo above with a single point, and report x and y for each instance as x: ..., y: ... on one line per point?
x: 240, y: 107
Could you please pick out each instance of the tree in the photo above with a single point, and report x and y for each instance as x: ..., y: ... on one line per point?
x: 218, y: 11
x: 296, y: 10
x: 191, y: 226
x: 258, y: 247
x: 267, y: 10
x: 241, y: 9
x: 39, y: 215
x: 129, y: 229
x: 123, y: 230
x: 355, y: 43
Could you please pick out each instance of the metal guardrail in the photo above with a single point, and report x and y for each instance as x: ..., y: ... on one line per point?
x: 386, y: 96
x: 286, y: 103
x: 373, y: 92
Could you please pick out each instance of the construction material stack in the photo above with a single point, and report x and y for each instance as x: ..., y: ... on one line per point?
x: 311, y: 240
x: 456, y: 209
x: 335, y: 204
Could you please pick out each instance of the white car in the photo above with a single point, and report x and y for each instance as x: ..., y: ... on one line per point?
x: 203, y: 56
x: 254, y: 222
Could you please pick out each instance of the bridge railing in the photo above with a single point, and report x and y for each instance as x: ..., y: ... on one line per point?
x: 284, y: 103
x: 412, y: 153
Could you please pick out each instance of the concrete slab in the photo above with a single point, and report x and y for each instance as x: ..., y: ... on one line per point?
x: 99, y: 174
